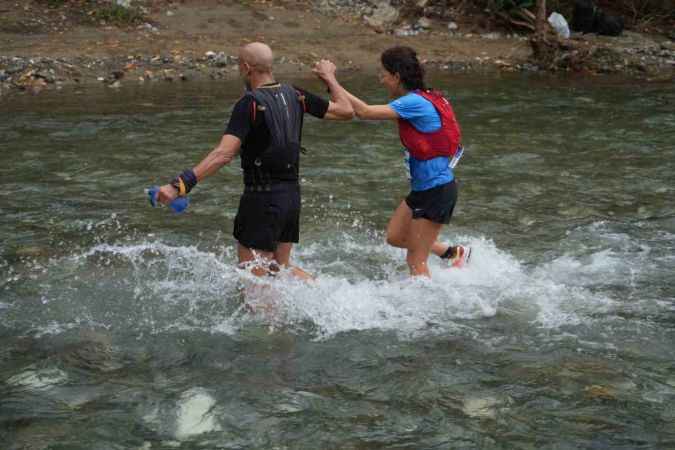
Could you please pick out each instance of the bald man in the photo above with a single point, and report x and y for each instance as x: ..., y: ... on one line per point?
x: 265, y: 130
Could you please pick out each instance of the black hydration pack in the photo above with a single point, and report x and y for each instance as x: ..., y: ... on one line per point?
x: 283, y: 108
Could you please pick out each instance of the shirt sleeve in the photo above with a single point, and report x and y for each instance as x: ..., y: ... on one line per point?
x: 241, y: 121
x: 315, y: 105
x: 409, y: 106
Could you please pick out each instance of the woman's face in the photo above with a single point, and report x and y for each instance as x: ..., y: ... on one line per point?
x: 392, y: 82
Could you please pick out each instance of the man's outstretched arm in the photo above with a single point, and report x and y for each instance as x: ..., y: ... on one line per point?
x: 326, y: 70
x: 220, y: 156
x: 223, y: 154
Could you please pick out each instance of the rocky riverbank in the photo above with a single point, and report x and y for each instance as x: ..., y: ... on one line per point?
x: 183, y: 42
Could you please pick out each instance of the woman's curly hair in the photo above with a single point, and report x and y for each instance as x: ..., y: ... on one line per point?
x: 403, y: 61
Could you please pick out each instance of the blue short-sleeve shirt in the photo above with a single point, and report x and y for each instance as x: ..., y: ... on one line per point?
x: 421, y: 113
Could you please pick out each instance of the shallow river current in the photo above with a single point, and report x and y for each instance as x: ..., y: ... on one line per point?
x: 124, y: 327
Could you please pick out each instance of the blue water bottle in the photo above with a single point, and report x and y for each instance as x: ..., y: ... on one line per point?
x: 178, y: 205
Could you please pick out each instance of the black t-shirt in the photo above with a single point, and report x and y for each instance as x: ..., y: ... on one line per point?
x: 254, y: 134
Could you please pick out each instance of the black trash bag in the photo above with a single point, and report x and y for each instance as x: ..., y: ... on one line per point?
x: 588, y: 18
x: 583, y: 17
x: 609, y: 25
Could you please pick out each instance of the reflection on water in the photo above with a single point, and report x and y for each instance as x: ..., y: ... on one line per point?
x: 127, y: 327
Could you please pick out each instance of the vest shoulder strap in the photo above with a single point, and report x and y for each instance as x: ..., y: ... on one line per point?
x: 257, y: 107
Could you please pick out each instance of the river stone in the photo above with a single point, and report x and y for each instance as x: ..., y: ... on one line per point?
x: 48, y: 76
x: 480, y: 407
x: 16, y: 68
x: 194, y: 414
x: 221, y: 60
x: 424, y: 23
x: 600, y: 392
x: 383, y: 15
x: 668, y: 45
x: 406, y: 30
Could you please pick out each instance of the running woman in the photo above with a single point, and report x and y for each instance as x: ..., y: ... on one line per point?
x: 431, y: 137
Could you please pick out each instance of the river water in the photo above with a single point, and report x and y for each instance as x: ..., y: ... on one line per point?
x: 125, y: 327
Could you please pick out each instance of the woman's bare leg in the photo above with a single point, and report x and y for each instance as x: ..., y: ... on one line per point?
x: 423, y: 234
x: 398, y: 231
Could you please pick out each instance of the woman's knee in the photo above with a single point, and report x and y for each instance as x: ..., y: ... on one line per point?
x: 396, y: 240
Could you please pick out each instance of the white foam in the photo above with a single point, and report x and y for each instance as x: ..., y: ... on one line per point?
x: 39, y: 379
x: 409, y: 306
x: 361, y: 284
x: 53, y: 329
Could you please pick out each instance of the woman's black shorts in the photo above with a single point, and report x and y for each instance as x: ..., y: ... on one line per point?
x: 435, y: 204
x: 266, y: 218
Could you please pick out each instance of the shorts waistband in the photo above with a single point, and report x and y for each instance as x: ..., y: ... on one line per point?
x: 269, y: 187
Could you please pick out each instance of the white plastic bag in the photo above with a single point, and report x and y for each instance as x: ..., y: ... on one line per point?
x: 559, y: 24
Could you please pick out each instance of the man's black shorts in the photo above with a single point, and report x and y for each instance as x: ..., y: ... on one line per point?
x: 266, y: 218
x: 435, y: 204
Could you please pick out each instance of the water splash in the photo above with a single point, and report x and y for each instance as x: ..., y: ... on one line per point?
x: 362, y: 284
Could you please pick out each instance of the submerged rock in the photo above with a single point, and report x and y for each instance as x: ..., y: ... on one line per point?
x: 31, y: 251
x: 600, y: 392
x: 194, y: 414
x: 481, y: 407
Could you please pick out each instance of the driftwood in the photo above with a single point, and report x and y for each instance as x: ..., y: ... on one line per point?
x: 553, y: 53
x: 520, y: 17
x: 541, y: 23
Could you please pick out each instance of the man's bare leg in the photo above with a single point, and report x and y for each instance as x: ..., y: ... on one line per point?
x: 264, y: 260
x: 269, y: 261
x: 259, y: 297
x: 282, y: 255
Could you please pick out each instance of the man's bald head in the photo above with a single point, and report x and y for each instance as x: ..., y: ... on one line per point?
x: 258, y: 56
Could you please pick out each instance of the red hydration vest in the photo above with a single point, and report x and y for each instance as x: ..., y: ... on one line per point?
x: 442, y: 142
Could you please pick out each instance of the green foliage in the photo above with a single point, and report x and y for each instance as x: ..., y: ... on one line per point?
x: 118, y: 15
